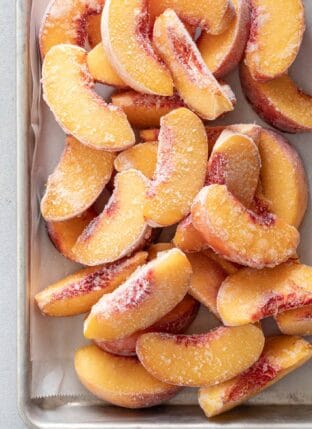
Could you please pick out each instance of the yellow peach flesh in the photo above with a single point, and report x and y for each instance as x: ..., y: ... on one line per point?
x: 296, y: 322
x: 142, y: 157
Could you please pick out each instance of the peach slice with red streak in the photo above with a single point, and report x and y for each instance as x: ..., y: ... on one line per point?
x: 145, y: 110
x: 279, y: 102
x: 281, y: 355
x: 296, y: 322
x: 187, y: 238
x: 149, y: 294
x: 94, y: 29
x: 243, y: 236
x: 120, y: 380
x: 126, y: 38
x: 67, y: 89
x: 222, y: 52
x: 250, y: 295
x: 66, y: 22
x: 142, y: 157
x: 270, y: 53
x: 76, y: 182
x: 200, y: 360
x: 194, y: 82
x: 77, y: 293
x: 182, y: 153
x: 175, y: 322
x: 156, y: 248
x: 120, y: 228
x: 64, y: 234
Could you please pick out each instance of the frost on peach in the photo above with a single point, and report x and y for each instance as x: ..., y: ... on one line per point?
x: 295, y: 322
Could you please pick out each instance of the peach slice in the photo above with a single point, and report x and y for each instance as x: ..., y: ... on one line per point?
x: 270, y: 53
x: 64, y: 234
x: 67, y: 89
x: 227, y: 266
x: 149, y: 294
x: 121, y: 223
x: 77, y: 293
x: 193, y: 80
x: 149, y: 135
x: 142, y: 157
x: 200, y: 360
x: 145, y: 110
x: 94, y: 29
x: 175, y: 322
x: 125, y: 35
x: 101, y: 69
x: 154, y: 249
x: 76, y: 182
x: 255, y: 294
x: 213, y: 16
x: 280, y: 356
x: 65, y: 22
x: 235, y: 162
x: 279, y: 102
x: 120, y: 380
x: 182, y: 155
x: 223, y: 52
x: 296, y: 322
x: 187, y: 238
x: 239, y: 234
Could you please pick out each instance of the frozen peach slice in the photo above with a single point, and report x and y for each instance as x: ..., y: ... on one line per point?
x: 250, y: 295
x: 200, y: 360
x: 180, y: 170
x: 283, y: 178
x: 175, y: 322
x: 142, y: 157
x: 187, y: 238
x: 214, y: 16
x: 227, y: 266
x: 296, y: 322
x: 239, y: 234
x: 149, y: 294
x: 94, y: 29
x: 125, y: 35
x: 222, y: 52
x: 235, y: 162
x: 101, y: 69
x: 120, y: 228
x: 76, y: 182
x: 193, y: 80
x: 279, y: 102
x: 64, y: 234
x: 65, y: 22
x: 67, y: 89
x: 78, y: 292
x: 145, y: 110
x: 149, y: 135
x: 269, y: 52
x: 154, y: 249
x: 281, y: 355
x: 120, y: 380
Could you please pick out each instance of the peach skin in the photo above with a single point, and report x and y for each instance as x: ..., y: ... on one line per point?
x: 187, y: 238
x: 281, y: 355
x: 295, y: 322
x: 149, y: 294
x: 67, y: 90
x: 193, y: 80
x: 94, y: 29
x: 276, y: 33
x: 125, y: 34
x: 241, y: 235
x: 200, y: 360
x: 156, y: 248
x: 256, y: 294
x: 77, y: 293
x: 121, y: 223
x: 120, y: 380
x: 182, y: 154
x: 76, y: 182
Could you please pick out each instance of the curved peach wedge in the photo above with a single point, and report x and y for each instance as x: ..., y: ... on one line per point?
x: 250, y: 295
x: 67, y: 89
x: 182, y: 154
x: 193, y: 80
x: 77, y: 293
x: 125, y: 35
x: 295, y: 322
x: 149, y: 294
x: 270, y: 52
x: 145, y: 110
x: 120, y: 380
x: 200, y: 360
x: 227, y: 266
x: 76, y: 182
x: 156, y: 248
x: 121, y: 223
x: 187, y: 238
x: 94, y: 29
x: 239, y: 234
x: 281, y: 355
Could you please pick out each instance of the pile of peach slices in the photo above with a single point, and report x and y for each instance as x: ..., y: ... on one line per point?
x: 236, y: 194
